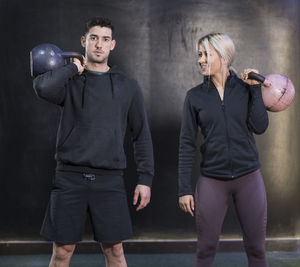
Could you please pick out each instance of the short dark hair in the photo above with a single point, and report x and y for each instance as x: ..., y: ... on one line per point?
x: 98, y: 21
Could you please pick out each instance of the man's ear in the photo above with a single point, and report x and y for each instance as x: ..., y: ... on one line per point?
x: 83, y: 41
x: 113, y: 44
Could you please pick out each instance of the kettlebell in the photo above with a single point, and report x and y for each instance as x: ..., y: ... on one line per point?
x: 45, y: 57
x: 279, y: 95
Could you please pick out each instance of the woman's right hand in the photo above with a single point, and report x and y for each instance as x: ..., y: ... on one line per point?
x: 186, y: 203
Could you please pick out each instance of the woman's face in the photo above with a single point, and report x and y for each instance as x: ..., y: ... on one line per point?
x: 214, y: 66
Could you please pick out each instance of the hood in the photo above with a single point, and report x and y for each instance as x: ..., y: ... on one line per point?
x: 86, y: 73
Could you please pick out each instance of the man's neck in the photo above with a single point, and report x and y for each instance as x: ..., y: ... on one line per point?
x: 98, y: 67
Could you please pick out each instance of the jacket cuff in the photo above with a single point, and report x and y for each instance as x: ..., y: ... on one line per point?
x: 145, y: 179
x: 255, y: 90
x: 180, y: 194
x: 72, y: 67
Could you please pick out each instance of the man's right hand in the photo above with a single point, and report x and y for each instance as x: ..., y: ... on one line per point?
x: 186, y: 203
x: 80, y: 66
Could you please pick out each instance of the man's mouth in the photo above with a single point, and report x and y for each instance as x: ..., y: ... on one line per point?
x: 99, y: 53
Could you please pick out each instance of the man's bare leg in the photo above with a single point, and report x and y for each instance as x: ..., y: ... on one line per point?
x: 114, y: 254
x: 61, y: 255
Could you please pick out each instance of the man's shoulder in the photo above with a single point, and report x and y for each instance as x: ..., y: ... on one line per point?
x: 122, y: 76
x: 126, y: 78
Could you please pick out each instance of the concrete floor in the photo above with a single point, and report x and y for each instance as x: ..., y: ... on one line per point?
x: 276, y: 259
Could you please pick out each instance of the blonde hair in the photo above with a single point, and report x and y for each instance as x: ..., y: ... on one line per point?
x: 222, y: 43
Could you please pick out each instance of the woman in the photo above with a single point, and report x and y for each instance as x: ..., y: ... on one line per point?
x: 228, y: 110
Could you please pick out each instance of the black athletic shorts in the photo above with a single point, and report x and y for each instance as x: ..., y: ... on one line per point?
x: 74, y: 195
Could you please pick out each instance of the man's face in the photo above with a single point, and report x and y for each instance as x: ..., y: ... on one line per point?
x: 98, y: 43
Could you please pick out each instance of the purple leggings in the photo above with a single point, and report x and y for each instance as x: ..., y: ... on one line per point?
x: 249, y: 197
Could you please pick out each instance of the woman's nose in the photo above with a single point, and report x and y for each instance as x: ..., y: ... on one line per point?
x: 201, y: 59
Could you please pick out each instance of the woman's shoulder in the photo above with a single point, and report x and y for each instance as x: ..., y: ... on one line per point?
x: 238, y: 81
x: 198, y: 89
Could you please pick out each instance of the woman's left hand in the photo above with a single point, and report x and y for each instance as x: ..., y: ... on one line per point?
x: 244, y: 77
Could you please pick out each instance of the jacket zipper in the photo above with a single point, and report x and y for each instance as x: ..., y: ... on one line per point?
x: 227, y: 135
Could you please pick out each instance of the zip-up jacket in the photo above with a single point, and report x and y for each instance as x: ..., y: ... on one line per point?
x: 95, y: 112
x: 228, y: 149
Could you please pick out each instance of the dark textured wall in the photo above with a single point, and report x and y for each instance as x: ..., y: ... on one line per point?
x: 156, y: 45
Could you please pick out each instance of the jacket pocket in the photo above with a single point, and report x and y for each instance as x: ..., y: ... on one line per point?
x: 65, y: 138
x: 94, y: 146
x: 252, y: 147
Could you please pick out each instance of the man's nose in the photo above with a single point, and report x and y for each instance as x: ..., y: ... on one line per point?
x: 99, y: 44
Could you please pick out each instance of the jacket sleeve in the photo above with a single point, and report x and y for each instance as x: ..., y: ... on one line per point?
x: 141, y: 137
x: 258, y: 120
x: 187, y: 148
x: 51, y: 85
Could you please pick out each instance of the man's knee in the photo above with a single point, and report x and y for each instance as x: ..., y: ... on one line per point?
x: 114, y: 250
x: 63, y: 252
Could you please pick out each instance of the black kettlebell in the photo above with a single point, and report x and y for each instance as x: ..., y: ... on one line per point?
x: 45, y: 57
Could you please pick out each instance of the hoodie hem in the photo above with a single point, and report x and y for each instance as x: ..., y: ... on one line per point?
x: 84, y: 169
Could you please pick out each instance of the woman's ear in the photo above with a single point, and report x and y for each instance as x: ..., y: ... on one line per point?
x: 224, y: 62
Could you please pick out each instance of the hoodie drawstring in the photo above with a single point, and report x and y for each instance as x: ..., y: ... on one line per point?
x: 84, y: 78
x: 112, y: 86
x: 83, y: 90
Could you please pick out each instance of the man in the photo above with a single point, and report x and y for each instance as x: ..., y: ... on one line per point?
x: 98, y: 102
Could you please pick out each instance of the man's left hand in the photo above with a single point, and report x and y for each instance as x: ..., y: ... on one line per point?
x: 144, y: 193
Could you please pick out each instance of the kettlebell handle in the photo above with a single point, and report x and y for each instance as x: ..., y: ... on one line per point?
x: 255, y: 76
x: 72, y: 55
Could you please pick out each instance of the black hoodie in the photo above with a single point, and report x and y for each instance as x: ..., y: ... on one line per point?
x: 96, y: 110
x: 228, y: 148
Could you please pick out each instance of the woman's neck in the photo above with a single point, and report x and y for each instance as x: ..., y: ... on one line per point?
x: 219, y: 79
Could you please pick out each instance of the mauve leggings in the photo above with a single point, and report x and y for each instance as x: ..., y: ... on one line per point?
x: 249, y: 197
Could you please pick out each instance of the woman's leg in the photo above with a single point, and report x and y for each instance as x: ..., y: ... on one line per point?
x: 211, y: 203
x: 251, y: 206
